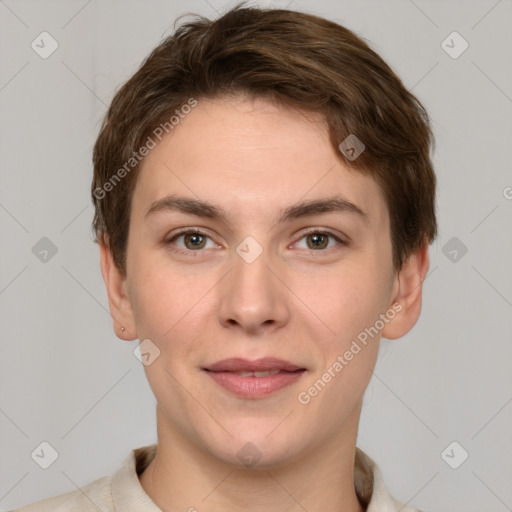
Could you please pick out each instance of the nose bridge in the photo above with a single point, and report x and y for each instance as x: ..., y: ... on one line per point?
x: 252, y: 295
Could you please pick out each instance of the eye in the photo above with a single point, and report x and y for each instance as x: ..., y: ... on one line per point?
x: 320, y: 240
x: 192, y: 240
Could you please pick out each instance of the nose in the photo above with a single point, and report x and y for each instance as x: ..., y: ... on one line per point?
x: 253, y: 297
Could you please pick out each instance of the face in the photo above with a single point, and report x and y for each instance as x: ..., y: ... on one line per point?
x: 228, y: 258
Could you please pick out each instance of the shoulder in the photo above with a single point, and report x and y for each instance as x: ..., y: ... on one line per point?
x: 371, y: 488
x: 94, y: 496
x: 107, y: 494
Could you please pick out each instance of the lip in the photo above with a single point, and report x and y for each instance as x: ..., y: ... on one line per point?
x: 225, y: 373
x: 237, y: 364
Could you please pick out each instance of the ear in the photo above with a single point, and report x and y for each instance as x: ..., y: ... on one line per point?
x: 407, y: 294
x: 118, y: 298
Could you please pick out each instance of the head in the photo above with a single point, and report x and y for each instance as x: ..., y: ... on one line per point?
x: 304, y: 164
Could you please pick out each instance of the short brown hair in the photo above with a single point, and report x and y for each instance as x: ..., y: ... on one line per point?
x: 299, y: 60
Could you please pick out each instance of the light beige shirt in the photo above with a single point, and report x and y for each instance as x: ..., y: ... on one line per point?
x: 122, y: 491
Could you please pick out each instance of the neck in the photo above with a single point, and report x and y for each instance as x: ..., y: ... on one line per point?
x: 182, y: 477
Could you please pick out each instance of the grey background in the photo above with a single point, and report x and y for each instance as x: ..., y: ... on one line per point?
x: 66, y: 379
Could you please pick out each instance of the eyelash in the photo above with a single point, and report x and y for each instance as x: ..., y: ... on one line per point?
x: 310, y: 231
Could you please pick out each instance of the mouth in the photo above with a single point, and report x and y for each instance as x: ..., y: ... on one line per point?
x: 254, y: 379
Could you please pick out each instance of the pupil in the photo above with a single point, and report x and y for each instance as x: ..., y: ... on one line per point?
x: 317, y: 238
x: 195, y: 240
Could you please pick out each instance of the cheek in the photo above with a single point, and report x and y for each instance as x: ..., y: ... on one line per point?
x: 349, y: 302
x: 345, y: 300
x: 166, y: 297
x: 170, y: 310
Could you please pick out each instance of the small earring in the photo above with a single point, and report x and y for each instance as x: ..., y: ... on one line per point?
x: 123, y: 329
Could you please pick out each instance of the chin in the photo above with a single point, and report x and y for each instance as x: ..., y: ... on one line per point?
x: 255, y: 445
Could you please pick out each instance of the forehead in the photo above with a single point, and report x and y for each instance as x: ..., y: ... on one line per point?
x: 251, y: 155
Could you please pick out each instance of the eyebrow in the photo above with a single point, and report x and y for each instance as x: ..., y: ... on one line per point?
x: 335, y: 204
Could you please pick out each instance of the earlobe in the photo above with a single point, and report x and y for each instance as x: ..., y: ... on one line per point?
x: 408, y: 294
x: 118, y: 298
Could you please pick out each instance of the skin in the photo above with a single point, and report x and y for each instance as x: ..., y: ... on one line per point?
x: 296, y: 301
